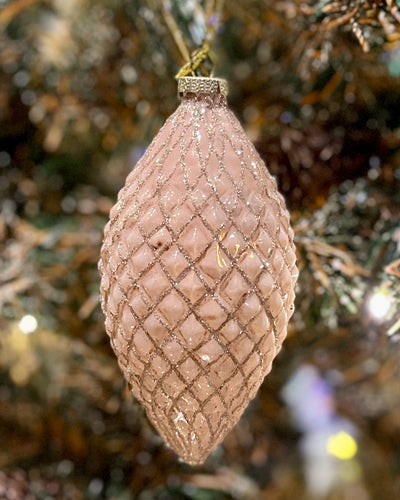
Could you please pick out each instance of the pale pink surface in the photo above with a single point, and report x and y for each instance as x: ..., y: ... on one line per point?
x: 198, y: 273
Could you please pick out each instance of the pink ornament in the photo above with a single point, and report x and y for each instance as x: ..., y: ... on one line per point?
x: 198, y: 273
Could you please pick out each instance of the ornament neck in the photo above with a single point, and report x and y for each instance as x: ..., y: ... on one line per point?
x: 189, y: 86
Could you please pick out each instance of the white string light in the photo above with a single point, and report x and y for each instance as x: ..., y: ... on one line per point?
x: 378, y: 305
x: 28, y: 324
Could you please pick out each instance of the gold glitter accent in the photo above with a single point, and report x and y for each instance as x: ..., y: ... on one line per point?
x: 202, y: 85
x: 197, y: 274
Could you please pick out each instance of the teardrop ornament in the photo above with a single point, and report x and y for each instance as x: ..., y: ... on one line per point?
x: 198, y: 269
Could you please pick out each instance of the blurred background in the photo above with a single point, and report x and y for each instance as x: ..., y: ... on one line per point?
x: 84, y: 87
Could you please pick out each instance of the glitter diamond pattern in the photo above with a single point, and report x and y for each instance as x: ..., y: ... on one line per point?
x: 197, y: 276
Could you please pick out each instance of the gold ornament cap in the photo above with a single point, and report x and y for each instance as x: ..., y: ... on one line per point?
x: 202, y: 85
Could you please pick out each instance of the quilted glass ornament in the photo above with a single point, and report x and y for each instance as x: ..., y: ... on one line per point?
x: 198, y: 273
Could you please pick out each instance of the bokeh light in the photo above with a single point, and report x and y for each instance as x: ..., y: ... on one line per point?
x: 28, y: 324
x: 342, y: 445
x: 379, y: 304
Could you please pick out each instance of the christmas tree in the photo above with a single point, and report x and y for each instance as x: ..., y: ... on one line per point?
x: 84, y: 88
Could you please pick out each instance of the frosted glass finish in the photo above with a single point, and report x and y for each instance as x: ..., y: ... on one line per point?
x: 197, y: 275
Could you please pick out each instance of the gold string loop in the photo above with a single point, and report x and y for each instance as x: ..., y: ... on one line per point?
x: 195, y: 62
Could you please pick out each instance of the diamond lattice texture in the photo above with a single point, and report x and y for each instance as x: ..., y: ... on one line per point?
x: 198, y: 273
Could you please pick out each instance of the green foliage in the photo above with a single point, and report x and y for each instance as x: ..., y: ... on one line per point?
x: 84, y: 87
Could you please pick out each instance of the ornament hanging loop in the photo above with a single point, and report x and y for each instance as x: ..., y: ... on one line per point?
x: 199, y: 63
x: 197, y: 59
